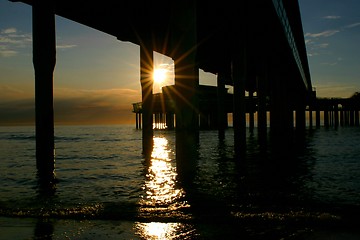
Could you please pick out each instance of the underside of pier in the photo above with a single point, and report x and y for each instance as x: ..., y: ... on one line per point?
x: 252, y: 45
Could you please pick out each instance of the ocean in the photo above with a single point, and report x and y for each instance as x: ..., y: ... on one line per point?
x: 107, y: 189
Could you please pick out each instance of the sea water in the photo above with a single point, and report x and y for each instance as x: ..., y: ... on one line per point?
x: 103, y: 179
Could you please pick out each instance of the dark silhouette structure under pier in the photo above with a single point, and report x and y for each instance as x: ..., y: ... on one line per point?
x: 337, y: 111
x: 321, y: 111
x: 251, y: 45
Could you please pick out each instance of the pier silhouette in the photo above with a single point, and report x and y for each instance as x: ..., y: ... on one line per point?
x: 320, y: 112
x: 254, y: 46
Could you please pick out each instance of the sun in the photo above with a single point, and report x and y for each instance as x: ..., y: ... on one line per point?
x: 159, y: 75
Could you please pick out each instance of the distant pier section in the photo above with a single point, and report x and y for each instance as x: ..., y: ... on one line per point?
x: 321, y: 112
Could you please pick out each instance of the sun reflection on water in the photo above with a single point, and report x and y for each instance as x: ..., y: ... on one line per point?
x: 162, y: 196
x: 160, y: 186
x: 157, y: 230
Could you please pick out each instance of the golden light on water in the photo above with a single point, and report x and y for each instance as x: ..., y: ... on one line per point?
x: 162, y: 195
x: 160, y: 186
x: 156, y: 230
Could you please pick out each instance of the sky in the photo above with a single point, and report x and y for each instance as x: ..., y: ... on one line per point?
x: 96, y: 78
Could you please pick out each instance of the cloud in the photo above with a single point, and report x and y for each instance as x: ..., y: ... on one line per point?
x: 73, y: 106
x: 335, y: 90
x: 323, y: 45
x: 12, y: 42
x: 95, y: 106
x: 7, y: 53
x: 332, y: 17
x: 329, y: 63
x: 65, y: 46
x: 326, y: 33
x: 17, y: 112
x: 10, y: 93
x: 9, y: 30
x: 313, y: 54
x: 353, y: 25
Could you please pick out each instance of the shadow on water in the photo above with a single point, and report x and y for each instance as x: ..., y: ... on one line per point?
x: 44, y: 229
x: 46, y: 190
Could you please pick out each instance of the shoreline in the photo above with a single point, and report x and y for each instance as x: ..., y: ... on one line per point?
x: 15, y: 228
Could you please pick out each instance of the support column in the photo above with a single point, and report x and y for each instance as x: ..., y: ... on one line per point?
x: 146, y: 70
x: 300, y: 118
x: 317, y: 117
x: 310, y: 117
x: 169, y: 120
x: 336, y: 115
x: 186, y: 88
x: 352, y: 116
x: 221, y: 112
x: 44, y: 59
x: 251, y: 111
x: 262, y: 108
x: 357, y: 117
x: 239, y: 116
x: 281, y: 115
x: 326, y: 117
x: 186, y: 70
x: 137, y: 120
x: 239, y: 75
x: 187, y: 103
x: 341, y: 117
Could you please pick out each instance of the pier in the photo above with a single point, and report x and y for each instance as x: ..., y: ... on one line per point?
x: 255, y: 46
x: 328, y: 112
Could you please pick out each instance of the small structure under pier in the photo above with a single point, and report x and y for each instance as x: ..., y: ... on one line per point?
x: 164, y: 108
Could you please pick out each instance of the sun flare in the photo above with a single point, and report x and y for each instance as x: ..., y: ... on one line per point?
x: 159, y: 75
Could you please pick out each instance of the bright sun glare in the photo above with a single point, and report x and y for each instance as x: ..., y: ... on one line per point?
x: 159, y: 75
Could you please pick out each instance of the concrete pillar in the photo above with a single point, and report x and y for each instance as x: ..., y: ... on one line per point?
x: 239, y: 116
x: 184, y: 40
x: 204, y: 121
x: 221, y: 112
x: 281, y: 113
x: 187, y: 102
x: 357, y: 122
x: 310, y: 117
x: 326, y: 117
x: 169, y: 120
x: 239, y: 73
x: 300, y: 118
x: 146, y: 70
x: 251, y: 111
x: 137, y: 120
x: 44, y: 59
x: 157, y: 120
x: 262, y: 108
x: 346, y: 117
x: 331, y: 116
x: 336, y: 115
x: 352, y: 117
x: 317, y: 117
x: 341, y: 117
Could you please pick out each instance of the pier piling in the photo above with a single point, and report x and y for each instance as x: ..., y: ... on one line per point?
x: 44, y: 59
